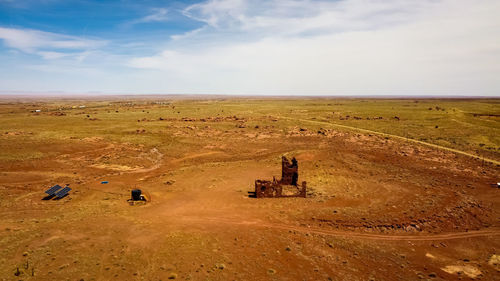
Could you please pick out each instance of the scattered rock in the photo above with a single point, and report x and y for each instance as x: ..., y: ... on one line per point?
x: 468, y: 270
x: 17, y: 272
x: 495, y: 261
x: 63, y: 266
x: 220, y: 266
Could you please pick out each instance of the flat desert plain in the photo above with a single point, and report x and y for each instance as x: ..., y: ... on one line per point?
x: 398, y: 189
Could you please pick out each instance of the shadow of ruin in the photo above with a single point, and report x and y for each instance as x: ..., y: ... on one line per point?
x: 286, y: 187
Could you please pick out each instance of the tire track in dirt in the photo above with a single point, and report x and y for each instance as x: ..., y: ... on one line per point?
x: 397, y: 137
x: 195, y: 156
x: 346, y: 234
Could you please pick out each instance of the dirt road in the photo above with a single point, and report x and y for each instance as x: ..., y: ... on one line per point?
x: 396, y: 137
x: 490, y: 232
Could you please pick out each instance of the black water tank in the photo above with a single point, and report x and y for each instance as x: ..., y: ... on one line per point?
x: 136, y: 194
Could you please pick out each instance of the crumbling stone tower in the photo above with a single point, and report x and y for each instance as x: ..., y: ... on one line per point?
x: 289, y: 171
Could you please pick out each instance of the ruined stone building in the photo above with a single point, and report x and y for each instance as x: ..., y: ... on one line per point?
x: 286, y: 187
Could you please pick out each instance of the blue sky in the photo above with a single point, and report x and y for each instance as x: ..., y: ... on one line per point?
x: 284, y: 47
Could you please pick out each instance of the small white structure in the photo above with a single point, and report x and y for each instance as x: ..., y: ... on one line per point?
x: 38, y: 110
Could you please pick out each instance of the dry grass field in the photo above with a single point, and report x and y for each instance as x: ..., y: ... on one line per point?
x: 397, y: 189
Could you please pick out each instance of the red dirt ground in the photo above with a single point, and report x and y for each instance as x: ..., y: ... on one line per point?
x: 377, y: 209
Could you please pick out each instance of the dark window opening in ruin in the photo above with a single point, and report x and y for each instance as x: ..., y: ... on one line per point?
x: 295, y: 177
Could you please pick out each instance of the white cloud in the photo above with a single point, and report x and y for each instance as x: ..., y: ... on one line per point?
x: 187, y: 34
x: 290, y: 17
x: 157, y: 15
x: 52, y: 55
x: 215, y: 12
x: 308, y: 47
x: 340, y: 47
x: 46, y: 44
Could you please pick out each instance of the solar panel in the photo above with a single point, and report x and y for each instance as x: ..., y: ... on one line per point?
x: 63, y: 192
x: 51, y: 191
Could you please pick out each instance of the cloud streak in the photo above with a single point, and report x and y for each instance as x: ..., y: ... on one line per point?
x: 46, y: 44
x: 157, y: 15
x: 289, y: 17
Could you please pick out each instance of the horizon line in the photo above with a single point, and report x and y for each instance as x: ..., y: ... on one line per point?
x: 93, y: 95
